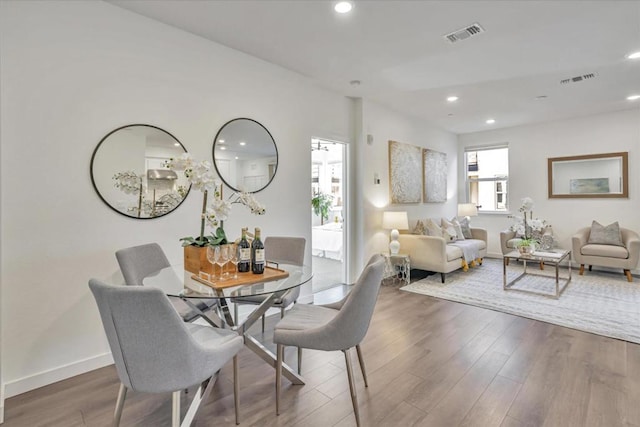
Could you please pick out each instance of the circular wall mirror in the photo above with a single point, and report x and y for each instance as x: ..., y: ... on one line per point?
x: 128, y: 172
x: 245, y: 155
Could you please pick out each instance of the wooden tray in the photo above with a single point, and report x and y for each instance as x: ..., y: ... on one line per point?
x: 270, y: 274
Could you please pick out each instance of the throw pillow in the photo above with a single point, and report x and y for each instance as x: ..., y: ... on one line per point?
x: 466, y: 228
x: 433, y: 229
x: 458, y: 227
x: 448, y: 231
x: 419, y: 228
x: 609, y: 235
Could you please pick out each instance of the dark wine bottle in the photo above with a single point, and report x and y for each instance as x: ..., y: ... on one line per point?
x: 257, y: 254
x: 244, y: 253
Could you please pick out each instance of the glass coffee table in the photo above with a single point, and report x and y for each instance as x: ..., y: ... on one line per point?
x: 550, y: 257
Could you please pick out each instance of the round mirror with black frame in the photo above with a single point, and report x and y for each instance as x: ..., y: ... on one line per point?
x: 128, y: 172
x: 245, y: 155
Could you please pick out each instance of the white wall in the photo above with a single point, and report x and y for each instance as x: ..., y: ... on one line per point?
x: 70, y: 73
x: 529, y: 148
x: 383, y: 125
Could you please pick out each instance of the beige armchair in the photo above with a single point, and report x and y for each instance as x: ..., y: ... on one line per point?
x: 624, y: 257
x: 509, y: 242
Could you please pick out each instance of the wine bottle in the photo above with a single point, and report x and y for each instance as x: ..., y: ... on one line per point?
x: 244, y: 253
x: 257, y: 254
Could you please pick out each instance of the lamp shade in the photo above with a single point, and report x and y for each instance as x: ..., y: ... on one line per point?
x: 395, y: 221
x: 467, y: 209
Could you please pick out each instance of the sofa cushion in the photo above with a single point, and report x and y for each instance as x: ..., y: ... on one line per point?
x: 459, y: 233
x: 513, y: 243
x: 609, y: 251
x: 605, y: 235
x: 433, y: 228
x: 466, y: 227
x: 449, y: 231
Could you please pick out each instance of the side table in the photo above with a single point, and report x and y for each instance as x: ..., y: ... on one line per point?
x: 397, y: 268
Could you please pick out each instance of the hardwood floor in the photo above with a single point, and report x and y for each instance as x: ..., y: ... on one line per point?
x: 430, y: 362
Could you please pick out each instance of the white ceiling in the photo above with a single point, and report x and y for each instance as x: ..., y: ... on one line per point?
x: 397, y: 50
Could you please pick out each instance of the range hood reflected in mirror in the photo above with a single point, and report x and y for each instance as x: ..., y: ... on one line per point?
x: 161, y: 174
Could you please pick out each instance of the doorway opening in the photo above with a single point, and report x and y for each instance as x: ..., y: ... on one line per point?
x: 328, y: 214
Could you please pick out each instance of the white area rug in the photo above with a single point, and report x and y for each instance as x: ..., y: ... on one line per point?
x: 600, y: 303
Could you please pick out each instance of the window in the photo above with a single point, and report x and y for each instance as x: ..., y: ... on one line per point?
x: 487, y: 177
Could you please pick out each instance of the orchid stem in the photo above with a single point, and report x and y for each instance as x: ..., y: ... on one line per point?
x: 204, y: 212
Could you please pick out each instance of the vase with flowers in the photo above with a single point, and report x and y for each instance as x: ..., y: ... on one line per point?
x: 528, y: 228
x: 214, y: 214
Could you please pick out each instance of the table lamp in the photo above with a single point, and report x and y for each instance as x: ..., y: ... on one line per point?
x: 467, y: 209
x: 394, y: 221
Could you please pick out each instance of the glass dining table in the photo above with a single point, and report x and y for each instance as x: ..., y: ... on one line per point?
x: 189, y: 287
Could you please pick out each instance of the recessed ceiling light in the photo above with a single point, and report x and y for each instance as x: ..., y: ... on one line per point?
x: 452, y: 98
x: 343, y: 7
x: 223, y: 148
x: 634, y: 55
x: 236, y: 157
x: 490, y: 121
x: 633, y: 97
x: 221, y: 141
x: 176, y: 144
x: 243, y: 143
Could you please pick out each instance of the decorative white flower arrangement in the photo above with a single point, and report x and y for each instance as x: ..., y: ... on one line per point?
x: 201, y: 178
x: 530, y: 228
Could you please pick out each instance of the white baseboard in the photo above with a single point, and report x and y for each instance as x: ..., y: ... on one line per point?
x: 41, y: 379
x: 1, y: 403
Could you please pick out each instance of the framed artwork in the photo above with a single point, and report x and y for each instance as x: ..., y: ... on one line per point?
x: 405, y: 173
x: 435, y: 176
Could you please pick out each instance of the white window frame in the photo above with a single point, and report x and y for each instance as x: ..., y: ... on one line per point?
x: 495, y: 179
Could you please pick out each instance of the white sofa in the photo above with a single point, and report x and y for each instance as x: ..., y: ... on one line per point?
x: 434, y: 254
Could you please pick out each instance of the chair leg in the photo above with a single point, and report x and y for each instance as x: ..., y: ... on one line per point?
x: 581, y: 272
x: 442, y: 277
x: 122, y: 394
x: 263, y: 322
x: 361, y: 360
x: 506, y: 261
x: 352, y: 386
x: 175, y: 409
x: 590, y: 267
x: 299, y: 360
x: 279, y: 352
x: 628, y: 274
x: 282, y: 312
x: 541, y: 265
x: 236, y: 389
x: 235, y: 314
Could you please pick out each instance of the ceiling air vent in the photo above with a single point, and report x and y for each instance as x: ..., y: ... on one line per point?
x: 464, y: 33
x: 577, y: 79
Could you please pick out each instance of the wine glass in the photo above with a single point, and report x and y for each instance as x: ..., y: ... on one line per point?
x: 233, y: 258
x: 222, y: 259
x: 213, y: 255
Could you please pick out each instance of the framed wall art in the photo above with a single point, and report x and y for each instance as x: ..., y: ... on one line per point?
x: 435, y: 176
x: 405, y: 173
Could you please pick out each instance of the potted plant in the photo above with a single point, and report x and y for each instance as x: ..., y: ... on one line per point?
x: 321, y: 204
x: 527, y: 246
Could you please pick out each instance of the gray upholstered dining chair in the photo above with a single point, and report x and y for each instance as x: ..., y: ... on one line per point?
x: 138, y: 262
x: 286, y: 250
x: 156, y: 352
x: 338, y: 326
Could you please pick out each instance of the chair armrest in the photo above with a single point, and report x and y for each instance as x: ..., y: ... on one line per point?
x: 631, y: 241
x: 479, y: 233
x: 578, y: 241
x: 423, y: 249
x: 505, y: 236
